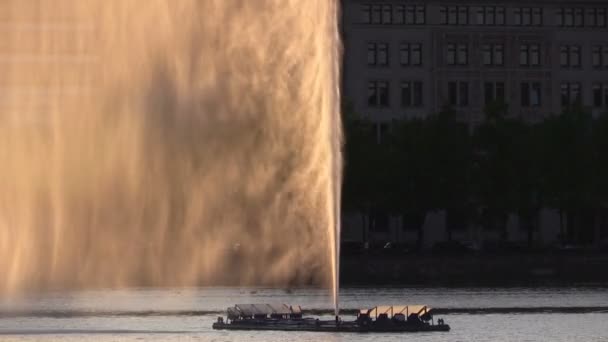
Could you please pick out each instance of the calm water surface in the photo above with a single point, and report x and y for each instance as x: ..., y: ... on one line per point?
x: 187, y: 314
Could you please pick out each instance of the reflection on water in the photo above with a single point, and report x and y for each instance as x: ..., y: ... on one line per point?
x: 187, y: 314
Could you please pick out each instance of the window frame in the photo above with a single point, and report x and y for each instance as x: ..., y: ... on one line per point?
x: 375, y: 88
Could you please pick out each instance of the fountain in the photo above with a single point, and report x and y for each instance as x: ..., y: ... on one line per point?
x: 167, y: 144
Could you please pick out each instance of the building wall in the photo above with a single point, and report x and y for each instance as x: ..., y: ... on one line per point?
x: 435, y: 73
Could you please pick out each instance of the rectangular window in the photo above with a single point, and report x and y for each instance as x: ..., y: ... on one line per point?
x: 451, y: 54
x: 517, y: 16
x: 458, y: 93
x: 463, y: 54
x: 596, y: 56
x: 529, y: 55
x: 528, y: 16
x: 494, y: 91
x: 378, y: 94
x: 492, y: 54
x: 404, y: 54
x: 568, y: 17
x: 575, y: 56
x: 570, y: 94
x: 406, y: 94
x: 579, y: 17
x: 463, y: 94
x: 500, y: 16
x: 417, y: 94
x: 525, y: 95
x: 416, y: 54
x: 463, y: 15
x: 534, y: 55
x: 377, y: 54
x: 535, y: 96
x: 366, y: 14
x: 486, y: 51
x: 597, y: 95
x: 537, y: 16
x: 410, y: 54
x: 376, y: 14
x: 453, y: 93
x: 565, y: 94
x: 563, y: 56
x: 399, y: 14
x: 488, y: 92
x: 531, y: 94
x: 499, y: 51
x: 570, y: 56
x: 490, y: 15
x: 559, y: 17
x: 454, y: 15
x: 411, y: 94
x: 420, y: 15
x: 410, y: 15
x: 387, y: 14
x: 600, y: 17
x: 605, y: 56
x: 500, y: 91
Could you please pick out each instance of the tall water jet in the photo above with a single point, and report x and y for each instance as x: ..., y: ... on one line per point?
x: 169, y: 143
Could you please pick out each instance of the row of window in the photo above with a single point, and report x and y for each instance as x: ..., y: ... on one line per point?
x: 575, y: 17
x: 485, y: 15
x: 410, y: 54
x: 459, y: 94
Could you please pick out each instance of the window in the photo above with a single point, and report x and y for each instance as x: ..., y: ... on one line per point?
x: 411, y: 94
x: 378, y: 94
x: 494, y: 91
x: 596, y: 17
x: 366, y: 14
x: 458, y: 93
x: 410, y: 54
x: 600, y: 95
x: 376, y: 14
x: 492, y: 54
x: 570, y: 17
x: 529, y: 55
x: 457, y: 54
x: 387, y: 14
x: 579, y: 17
x: 570, y: 56
x: 486, y: 19
x: 490, y: 15
x: 411, y: 14
x: 528, y: 16
x: 570, y: 93
x: 599, y: 56
x: 454, y: 15
x: 530, y: 94
x: 420, y: 15
x: 463, y: 54
x: 377, y: 54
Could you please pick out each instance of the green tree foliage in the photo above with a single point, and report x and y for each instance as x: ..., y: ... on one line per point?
x: 503, y: 166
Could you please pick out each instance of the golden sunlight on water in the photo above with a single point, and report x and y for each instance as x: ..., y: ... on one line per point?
x: 168, y: 143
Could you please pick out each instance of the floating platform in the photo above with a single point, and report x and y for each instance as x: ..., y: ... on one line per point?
x: 394, y: 319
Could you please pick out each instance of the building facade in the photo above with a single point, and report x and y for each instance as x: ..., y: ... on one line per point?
x: 406, y: 59
x: 410, y: 59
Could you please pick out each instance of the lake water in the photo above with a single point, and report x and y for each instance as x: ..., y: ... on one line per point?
x: 546, y: 314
